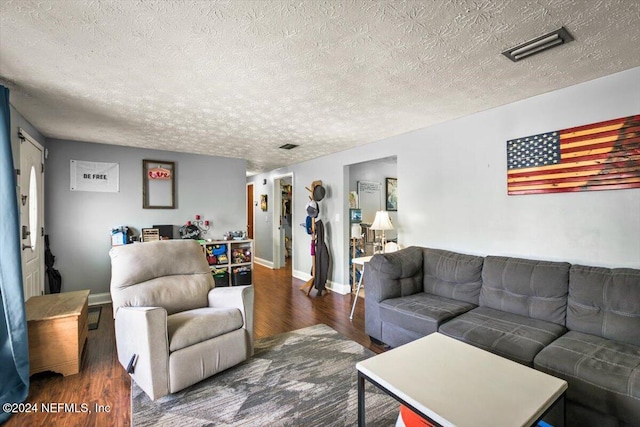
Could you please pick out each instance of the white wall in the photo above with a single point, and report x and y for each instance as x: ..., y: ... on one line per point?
x: 79, y: 223
x: 452, y: 186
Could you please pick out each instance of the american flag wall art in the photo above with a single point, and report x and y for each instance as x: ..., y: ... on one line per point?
x: 599, y: 156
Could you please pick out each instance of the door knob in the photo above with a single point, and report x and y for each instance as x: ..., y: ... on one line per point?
x: 26, y: 247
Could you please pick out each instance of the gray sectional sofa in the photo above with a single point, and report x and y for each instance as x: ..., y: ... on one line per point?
x: 575, y: 322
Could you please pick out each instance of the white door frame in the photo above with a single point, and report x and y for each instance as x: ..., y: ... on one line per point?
x: 32, y: 285
x: 278, y: 261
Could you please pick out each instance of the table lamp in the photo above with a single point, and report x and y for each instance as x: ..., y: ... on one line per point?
x: 382, y: 222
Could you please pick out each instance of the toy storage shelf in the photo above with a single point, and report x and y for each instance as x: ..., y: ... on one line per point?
x: 233, y: 256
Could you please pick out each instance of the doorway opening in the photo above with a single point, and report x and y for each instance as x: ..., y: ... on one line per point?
x: 283, y: 230
x: 368, y: 193
x: 250, y: 220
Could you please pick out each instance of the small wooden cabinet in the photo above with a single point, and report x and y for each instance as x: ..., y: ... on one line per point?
x: 58, y: 327
x: 235, y: 257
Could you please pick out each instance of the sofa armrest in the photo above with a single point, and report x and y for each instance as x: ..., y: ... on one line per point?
x: 394, y: 274
x: 387, y: 276
x: 142, y: 331
x: 240, y: 297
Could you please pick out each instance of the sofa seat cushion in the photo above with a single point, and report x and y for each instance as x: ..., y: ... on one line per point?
x: 421, y: 313
x: 602, y: 374
x: 193, y: 326
x: 515, y: 337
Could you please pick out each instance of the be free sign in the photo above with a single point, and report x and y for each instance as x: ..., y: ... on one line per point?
x: 94, y: 176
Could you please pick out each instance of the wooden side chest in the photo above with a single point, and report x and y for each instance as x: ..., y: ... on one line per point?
x: 58, y: 326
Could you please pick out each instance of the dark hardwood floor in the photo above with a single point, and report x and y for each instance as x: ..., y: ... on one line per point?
x: 280, y: 306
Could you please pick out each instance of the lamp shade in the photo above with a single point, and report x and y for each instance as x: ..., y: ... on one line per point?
x: 356, y: 231
x: 382, y: 221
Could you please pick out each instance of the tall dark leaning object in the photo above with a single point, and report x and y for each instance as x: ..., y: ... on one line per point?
x: 321, y: 260
x: 53, y: 276
x: 318, y: 277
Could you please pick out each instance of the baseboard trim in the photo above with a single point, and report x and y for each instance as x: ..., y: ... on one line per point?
x: 263, y: 262
x: 338, y: 288
x: 98, y: 299
x: 300, y: 275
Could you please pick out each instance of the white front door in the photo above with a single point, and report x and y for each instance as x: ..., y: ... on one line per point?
x: 31, y: 202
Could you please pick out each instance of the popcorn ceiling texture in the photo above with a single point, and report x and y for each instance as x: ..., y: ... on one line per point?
x: 240, y: 78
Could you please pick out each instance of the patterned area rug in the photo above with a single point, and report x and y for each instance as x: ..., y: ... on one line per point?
x: 301, y: 378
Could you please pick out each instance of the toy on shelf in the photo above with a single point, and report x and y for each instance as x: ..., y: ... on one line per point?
x: 211, y: 258
x: 216, y: 254
x: 240, y: 255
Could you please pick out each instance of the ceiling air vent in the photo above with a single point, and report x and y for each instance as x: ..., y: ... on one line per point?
x: 288, y: 146
x: 539, y: 44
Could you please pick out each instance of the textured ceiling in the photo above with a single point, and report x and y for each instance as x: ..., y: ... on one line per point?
x: 240, y: 78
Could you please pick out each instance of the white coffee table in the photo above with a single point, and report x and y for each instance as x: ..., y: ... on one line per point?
x: 455, y: 384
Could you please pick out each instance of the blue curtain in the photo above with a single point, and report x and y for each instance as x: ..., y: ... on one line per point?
x: 14, y: 347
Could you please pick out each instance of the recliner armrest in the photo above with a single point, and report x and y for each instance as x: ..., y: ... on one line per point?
x: 143, y: 331
x: 240, y: 297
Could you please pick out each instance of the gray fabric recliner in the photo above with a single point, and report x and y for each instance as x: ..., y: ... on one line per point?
x: 170, y: 315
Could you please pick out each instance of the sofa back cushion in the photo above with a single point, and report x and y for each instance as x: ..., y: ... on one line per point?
x: 452, y: 275
x: 605, y: 302
x: 536, y: 289
x: 173, y: 274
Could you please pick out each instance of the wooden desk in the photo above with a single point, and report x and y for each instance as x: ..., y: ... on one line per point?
x: 58, y: 328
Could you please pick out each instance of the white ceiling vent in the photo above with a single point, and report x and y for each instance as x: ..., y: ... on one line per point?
x: 539, y: 44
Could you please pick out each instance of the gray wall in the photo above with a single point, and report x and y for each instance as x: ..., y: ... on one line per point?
x: 452, y: 186
x: 79, y: 223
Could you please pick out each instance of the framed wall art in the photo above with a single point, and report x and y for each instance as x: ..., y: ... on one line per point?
x: 158, y: 184
x: 597, y: 156
x: 391, y: 195
x: 355, y: 216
